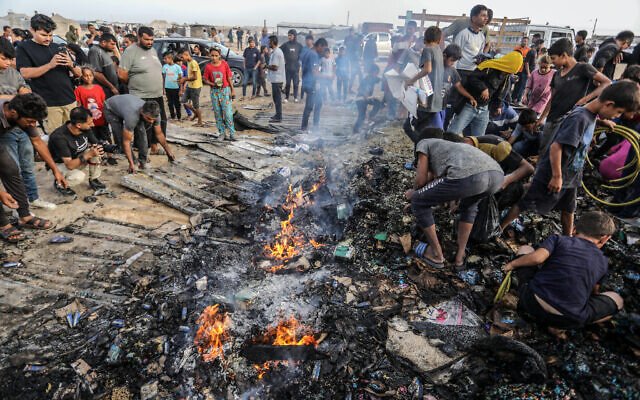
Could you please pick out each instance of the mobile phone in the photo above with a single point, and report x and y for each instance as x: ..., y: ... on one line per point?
x: 62, y: 49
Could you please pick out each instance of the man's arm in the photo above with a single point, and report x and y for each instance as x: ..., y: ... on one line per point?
x: 127, y: 137
x: 602, y: 81
x: 524, y: 170
x: 42, y: 149
x: 37, y: 72
x: 555, y: 157
x: 532, y: 259
x: 105, y: 82
x: 123, y: 75
x: 163, y: 142
x: 465, y: 94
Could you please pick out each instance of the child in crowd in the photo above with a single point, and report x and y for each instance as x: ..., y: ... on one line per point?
x: 526, y: 137
x: 568, y: 88
x: 185, y: 72
x: 218, y: 76
x: 559, y: 172
x: 451, y: 54
x: 538, y: 90
x: 262, y: 71
x: 365, y: 96
x: 327, y: 75
x: 559, y: 283
x: 171, y: 74
x: 11, y: 82
x: 431, y: 114
x: 92, y: 97
x: 502, y: 119
x: 342, y: 74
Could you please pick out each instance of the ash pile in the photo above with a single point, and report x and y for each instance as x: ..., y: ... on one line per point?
x: 315, y: 292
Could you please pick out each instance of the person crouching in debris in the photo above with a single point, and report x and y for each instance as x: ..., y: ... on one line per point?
x: 446, y: 172
x: 559, y: 172
x: 558, y: 284
x: 74, y: 147
x: 516, y: 169
x: 365, y: 97
x: 133, y: 119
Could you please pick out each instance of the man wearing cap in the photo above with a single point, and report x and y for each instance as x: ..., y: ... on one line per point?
x: 292, y: 50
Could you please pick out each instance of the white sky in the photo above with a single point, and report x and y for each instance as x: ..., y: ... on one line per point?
x: 613, y: 15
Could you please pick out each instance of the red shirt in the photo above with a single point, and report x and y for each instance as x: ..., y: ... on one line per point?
x: 222, y: 71
x: 93, y: 100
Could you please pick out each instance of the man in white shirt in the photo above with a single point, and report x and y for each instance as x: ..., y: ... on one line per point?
x: 276, y: 76
x: 471, y: 40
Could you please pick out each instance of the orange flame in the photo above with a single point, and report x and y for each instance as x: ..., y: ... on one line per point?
x: 286, y: 334
x: 288, y: 243
x: 212, y: 333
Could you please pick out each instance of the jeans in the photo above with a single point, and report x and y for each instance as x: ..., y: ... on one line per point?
x: 19, y: 146
x: 173, y: 99
x: 12, y: 181
x: 342, y: 81
x: 292, y: 75
x: 362, y: 105
x: 476, y: 119
x: 313, y: 103
x: 519, y: 87
x: 252, y: 74
x: 276, y: 92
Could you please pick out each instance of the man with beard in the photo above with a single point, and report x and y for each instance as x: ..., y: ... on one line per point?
x: 292, y: 51
x: 141, y: 69
x: 105, y: 70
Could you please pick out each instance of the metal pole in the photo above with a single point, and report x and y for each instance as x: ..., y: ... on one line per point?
x: 593, y: 33
x: 348, y: 15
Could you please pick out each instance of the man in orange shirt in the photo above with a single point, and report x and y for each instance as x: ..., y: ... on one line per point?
x: 524, y: 72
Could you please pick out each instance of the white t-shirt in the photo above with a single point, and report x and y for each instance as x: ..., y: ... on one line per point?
x: 471, y: 44
x: 277, y: 58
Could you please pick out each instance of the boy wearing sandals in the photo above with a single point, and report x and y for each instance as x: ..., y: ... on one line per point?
x: 193, y: 80
x: 559, y: 282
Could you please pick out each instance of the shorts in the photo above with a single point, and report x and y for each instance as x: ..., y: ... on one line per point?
x: 540, y: 200
x: 192, y: 95
x: 598, y: 307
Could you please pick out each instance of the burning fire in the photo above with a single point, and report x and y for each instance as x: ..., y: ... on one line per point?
x: 287, y: 333
x: 288, y: 242
x: 213, y: 331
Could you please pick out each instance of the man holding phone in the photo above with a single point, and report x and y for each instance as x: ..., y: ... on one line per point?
x: 75, y: 149
x: 49, y: 69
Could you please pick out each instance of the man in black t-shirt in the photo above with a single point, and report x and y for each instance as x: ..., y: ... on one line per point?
x: 610, y: 53
x: 292, y: 50
x: 48, y: 67
x: 75, y: 148
x: 580, y: 54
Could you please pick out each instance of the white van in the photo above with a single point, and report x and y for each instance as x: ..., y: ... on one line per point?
x: 550, y: 34
x: 383, y: 42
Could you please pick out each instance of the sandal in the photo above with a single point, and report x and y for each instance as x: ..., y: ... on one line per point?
x: 11, y: 234
x: 37, y: 223
x: 198, y: 125
x: 433, y: 263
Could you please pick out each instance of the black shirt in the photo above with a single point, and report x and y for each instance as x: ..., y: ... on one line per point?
x: 568, y: 89
x: 55, y: 87
x: 492, y: 79
x: 291, y: 51
x: 581, y: 53
x: 64, y: 144
x: 251, y: 57
x: 604, y: 58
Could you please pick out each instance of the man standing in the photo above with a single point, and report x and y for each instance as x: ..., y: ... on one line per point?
x: 610, y: 52
x: 239, y: 35
x: 471, y: 41
x: 276, y: 76
x: 580, y: 54
x: 524, y: 73
x: 72, y: 35
x: 91, y: 37
x: 47, y: 65
x: 135, y: 120
x: 141, y: 69
x: 75, y: 148
x: 105, y: 70
x: 292, y: 51
x: 251, y: 64
x: 6, y: 33
x: 191, y: 96
x: 310, y: 73
x: 264, y: 39
x: 19, y: 137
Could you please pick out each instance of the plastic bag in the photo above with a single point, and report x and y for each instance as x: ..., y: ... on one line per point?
x: 487, y: 223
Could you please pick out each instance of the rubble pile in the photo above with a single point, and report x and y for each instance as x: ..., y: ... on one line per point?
x: 378, y: 322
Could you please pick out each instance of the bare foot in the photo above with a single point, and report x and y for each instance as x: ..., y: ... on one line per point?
x: 558, y: 333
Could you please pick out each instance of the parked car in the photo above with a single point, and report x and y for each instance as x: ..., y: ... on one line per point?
x: 235, y: 61
x: 383, y: 42
x: 549, y: 33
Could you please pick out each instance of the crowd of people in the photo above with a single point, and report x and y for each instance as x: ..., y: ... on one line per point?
x: 514, y: 126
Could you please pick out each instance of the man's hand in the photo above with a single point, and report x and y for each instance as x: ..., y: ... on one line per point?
x: 65, y: 60
x: 55, y: 61
x: 473, y: 102
x: 618, y: 58
x: 8, y: 200
x: 507, y: 267
x: 485, y: 95
x: 60, y: 179
x: 409, y: 194
x: 132, y: 169
x: 607, y: 123
x: 115, y: 90
x: 171, y: 157
x: 555, y: 184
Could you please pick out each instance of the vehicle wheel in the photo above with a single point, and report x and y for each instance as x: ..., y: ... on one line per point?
x: 238, y: 76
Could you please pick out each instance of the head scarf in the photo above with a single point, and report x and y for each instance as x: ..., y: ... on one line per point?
x: 509, y: 63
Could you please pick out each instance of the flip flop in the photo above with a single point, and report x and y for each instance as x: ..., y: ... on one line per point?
x: 432, y: 263
x: 7, y: 233
x: 37, y: 223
